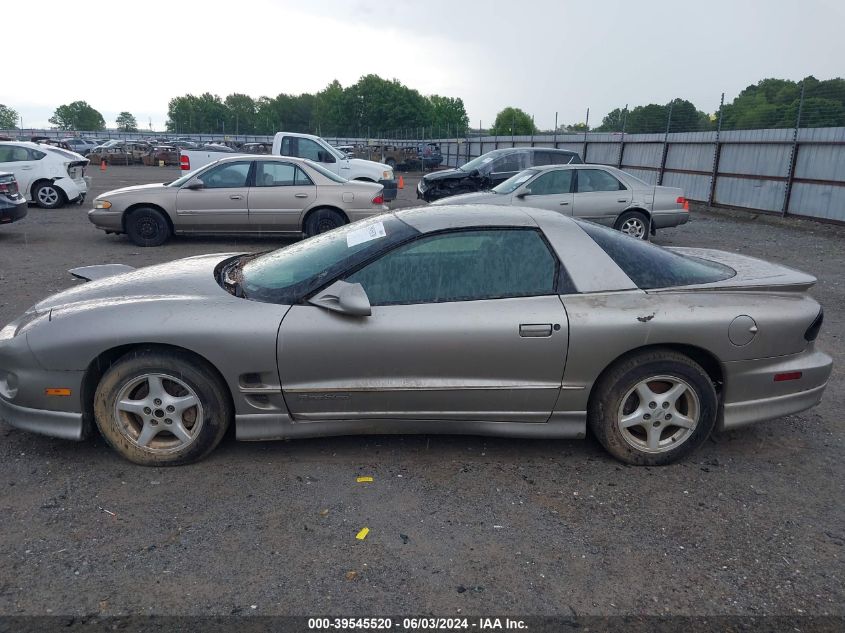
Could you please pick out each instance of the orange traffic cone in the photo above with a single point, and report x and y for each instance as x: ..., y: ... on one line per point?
x: 102, y: 165
x: 401, y: 182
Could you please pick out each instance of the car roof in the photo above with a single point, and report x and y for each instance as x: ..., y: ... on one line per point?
x: 437, y: 218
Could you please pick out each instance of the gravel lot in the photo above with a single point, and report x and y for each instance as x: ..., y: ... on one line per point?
x: 753, y: 524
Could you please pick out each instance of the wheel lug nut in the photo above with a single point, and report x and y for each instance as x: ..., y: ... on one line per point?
x: 147, y: 410
x: 154, y: 422
x: 647, y: 416
x: 652, y: 405
x: 656, y: 423
x: 668, y: 416
x: 171, y: 409
x: 168, y: 421
x: 157, y: 401
x: 665, y: 405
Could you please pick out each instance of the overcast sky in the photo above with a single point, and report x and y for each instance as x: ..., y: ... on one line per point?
x: 541, y: 56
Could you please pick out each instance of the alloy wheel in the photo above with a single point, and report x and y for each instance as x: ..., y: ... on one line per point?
x: 658, y: 414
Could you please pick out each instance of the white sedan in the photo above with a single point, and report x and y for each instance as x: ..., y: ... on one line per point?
x: 48, y: 176
x: 598, y: 193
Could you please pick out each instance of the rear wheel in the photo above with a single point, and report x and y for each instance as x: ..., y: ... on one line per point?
x: 159, y: 408
x: 49, y: 196
x: 323, y: 220
x: 634, y: 223
x: 390, y: 163
x: 653, y: 408
x: 147, y: 227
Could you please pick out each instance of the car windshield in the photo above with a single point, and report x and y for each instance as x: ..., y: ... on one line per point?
x: 183, y: 179
x: 325, y: 172
x: 512, y: 183
x: 649, y: 266
x: 288, y: 274
x: 478, y: 163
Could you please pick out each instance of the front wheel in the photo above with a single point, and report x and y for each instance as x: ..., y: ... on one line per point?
x: 147, y: 227
x: 653, y: 408
x: 49, y: 196
x: 160, y: 408
x: 323, y: 220
x: 634, y: 223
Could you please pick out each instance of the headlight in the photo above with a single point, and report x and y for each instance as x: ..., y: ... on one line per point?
x: 22, y: 325
x: 387, y: 175
x: 102, y: 204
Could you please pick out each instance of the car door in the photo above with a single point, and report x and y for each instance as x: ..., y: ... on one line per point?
x: 280, y: 193
x: 220, y: 204
x: 24, y: 163
x: 599, y: 196
x: 552, y: 190
x: 465, y: 325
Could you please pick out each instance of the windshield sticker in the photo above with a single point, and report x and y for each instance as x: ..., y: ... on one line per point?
x: 366, y: 234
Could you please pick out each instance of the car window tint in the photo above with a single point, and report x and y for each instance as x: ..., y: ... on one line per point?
x: 562, y: 158
x: 302, y: 178
x: 273, y: 174
x: 309, y: 149
x: 597, y: 180
x: 287, y: 146
x: 462, y: 266
x: 226, y: 175
x: 650, y: 266
x: 552, y: 182
x: 13, y: 154
x: 510, y: 162
x: 542, y: 158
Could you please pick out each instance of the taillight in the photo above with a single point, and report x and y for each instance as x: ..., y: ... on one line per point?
x: 788, y: 375
x: 184, y: 163
x: 379, y: 199
x: 683, y: 202
x: 9, y: 187
x: 813, y: 331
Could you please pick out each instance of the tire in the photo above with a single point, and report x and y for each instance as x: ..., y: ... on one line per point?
x: 147, y: 227
x: 634, y: 223
x: 637, y: 424
x: 48, y: 196
x: 132, y: 412
x: 390, y: 163
x: 323, y: 220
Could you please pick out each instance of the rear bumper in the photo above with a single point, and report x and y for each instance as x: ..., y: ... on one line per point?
x: 671, y: 218
x: 12, y: 211
x: 60, y: 424
x: 751, y: 395
x: 390, y: 189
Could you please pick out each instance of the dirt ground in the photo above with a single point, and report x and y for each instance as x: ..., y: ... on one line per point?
x: 752, y: 524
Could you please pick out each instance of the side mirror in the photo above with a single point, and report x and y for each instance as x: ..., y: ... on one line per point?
x: 196, y: 184
x: 475, y: 174
x: 325, y: 157
x: 525, y: 192
x: 345, y: 298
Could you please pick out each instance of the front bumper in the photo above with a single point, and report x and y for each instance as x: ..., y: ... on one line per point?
x: 751, y: 395
x: 12, y: 211
x: 106, y: 219
x: 391, y: 189
x: 61, y: 424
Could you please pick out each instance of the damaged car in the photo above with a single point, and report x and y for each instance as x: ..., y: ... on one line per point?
x: 472, y: 319
x: 489, y: 170
x: 48, y: 176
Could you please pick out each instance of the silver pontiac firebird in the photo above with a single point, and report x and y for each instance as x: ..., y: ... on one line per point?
x: 469, y: 319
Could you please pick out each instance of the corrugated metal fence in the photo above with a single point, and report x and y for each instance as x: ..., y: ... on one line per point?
x: 775, y: 171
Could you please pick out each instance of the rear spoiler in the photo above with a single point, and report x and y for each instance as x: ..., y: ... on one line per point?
x: 93, y: 273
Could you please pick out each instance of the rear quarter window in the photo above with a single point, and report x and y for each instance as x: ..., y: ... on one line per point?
x: 650, y: 266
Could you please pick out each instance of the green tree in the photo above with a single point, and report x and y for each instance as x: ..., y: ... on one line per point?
x: 513, y: 121
x: 8, y: 118
x: 204, y: 114
x: 448, y: 113
x: 77, y: 116
x: 126, y: 122
x: 242, y: 113
x: 332, y: 110
x: 614, y: 121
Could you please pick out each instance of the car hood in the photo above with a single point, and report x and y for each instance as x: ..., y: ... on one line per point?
x: 186, y: 279
x: 369, y: 164
x: 480, y: 197
x: 134, y: 189
x: 445, y: 174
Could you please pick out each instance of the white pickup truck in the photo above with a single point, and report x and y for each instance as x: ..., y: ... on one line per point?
x: 313, y: 148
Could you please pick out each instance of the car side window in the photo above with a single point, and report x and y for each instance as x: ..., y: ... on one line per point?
x: 226, y: 175
x: 310, y: 150
x: 273, y: 174
x: 561, y: 158
x: 287, y: 148
x: 14, y: 154
x: 462, y: 266
x: 509, y: 162
x: 302, y: 178
x: 552, y: 182
x: 597, y: 180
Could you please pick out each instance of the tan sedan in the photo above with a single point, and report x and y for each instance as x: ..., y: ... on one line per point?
x: 238, y: 194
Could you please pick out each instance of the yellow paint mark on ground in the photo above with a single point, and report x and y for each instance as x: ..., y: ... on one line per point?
x: 362, y: 534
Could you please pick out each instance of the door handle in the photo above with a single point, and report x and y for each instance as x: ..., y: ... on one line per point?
x: 622, y: 200
x: 300, y: 195
x: 27, y: 168
x: 236, y: 196
x: 535, y: 330
x: 563, y: 204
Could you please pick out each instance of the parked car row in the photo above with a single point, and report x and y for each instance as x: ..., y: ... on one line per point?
x: 402, y: 157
